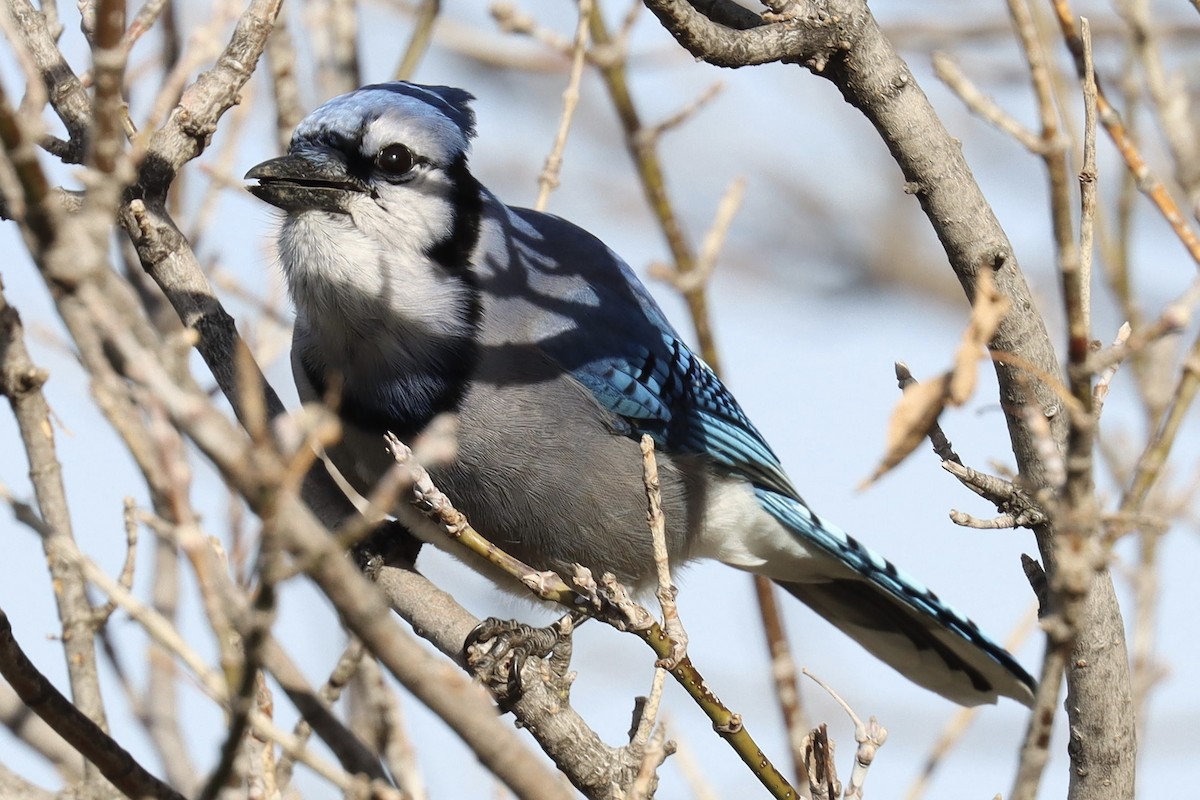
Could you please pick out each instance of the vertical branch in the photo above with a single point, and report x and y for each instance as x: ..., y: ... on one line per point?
x: 281, y: 61
x: 314, y: 706
x: 335, y: 34
x: 548, y: 180
x: 785, y: 676
x: 1146, y: 180
x: 645, y: 158
x: 418, y: 43
x: 254, y: 628
x: 1088, y: 176
x: 1171, y: 104
x: 1076, y: 555
x: 20, y: 382
x: 1147, y: 472
x: 642, y: 147
x: 161, y: 700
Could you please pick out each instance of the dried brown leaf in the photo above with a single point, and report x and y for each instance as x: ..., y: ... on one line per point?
x: 986, y: 313
x: 918, y: 409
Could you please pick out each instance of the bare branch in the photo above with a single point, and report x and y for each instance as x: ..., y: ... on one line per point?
x: 1147, y: 182
x: 951, y: 74
x: 38, y: 694
x: 418, y: 44
x: 667, y: 591
x: 548, y: 180
x: 30, y: 729
x: 65, y: 92
x: 21, y: 383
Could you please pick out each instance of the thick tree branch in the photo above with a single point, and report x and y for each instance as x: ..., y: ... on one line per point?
x: 842, y: 42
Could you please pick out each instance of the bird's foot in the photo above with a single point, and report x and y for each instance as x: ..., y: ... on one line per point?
x: 497, y: 651
x: 390, y: 543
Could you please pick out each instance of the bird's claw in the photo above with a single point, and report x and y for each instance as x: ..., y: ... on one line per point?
x: 496, y: 652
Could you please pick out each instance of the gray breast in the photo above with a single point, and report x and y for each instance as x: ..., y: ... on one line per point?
x: 544, y: 474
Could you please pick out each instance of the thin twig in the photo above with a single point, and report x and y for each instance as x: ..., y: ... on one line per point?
x: 333, y: 25
x: 397, y: 748
x: 666, y: 590
x: 699, y: 277
x: 161, y: 700
x: 253, y: 632
x: 948, y: 71
x: 290, y: 678
x: 548, y: 179
x: 418, y: 43
x: 285, y: 87
x: 937, y: 437
x: 607, y: 600
x: 126, y: 576
x: 142, y: 22
x: 167, y: 634
x: 21, y: 383
x: 1169, y: 101
x: 869, y: 735
x: 1147, y: 182
x: 1149, y: 470
x: 1104, y: 377
x: 643, y: 150
x: 784, y: 676
x: 1088, y: 176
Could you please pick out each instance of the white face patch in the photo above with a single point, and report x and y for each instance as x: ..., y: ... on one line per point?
x: 364, y: 279
x: 427, y: 133
x: 379, y: 247
x: 370, y: 294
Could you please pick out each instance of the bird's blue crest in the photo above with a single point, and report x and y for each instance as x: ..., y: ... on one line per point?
x: 454, y: 103
x: 343, y: 121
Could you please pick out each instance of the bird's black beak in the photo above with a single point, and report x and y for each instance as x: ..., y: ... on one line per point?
x: 296, y: 182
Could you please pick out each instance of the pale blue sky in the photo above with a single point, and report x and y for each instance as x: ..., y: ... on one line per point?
x: 807, y: 338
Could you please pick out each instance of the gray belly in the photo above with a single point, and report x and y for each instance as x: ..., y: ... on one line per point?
x: 541, y: 473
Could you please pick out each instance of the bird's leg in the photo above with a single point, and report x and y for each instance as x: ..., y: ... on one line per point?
x: 390, y: 544
x: 497, y: 650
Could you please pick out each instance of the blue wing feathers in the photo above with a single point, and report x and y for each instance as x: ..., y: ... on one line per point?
x: 883, y: 573
x: 675, y: 397
x: 671, y: 394
x: 640, y: 370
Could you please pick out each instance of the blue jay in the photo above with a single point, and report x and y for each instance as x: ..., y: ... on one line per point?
x: 418, y: 292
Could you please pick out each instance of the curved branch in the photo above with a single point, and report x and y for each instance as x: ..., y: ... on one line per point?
x: 717, y: 33
x: 64, y: 89
x: 114, y: 762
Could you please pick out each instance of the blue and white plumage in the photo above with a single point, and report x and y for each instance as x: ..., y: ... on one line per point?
x: 418, y: 292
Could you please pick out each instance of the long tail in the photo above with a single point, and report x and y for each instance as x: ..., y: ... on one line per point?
x: 896, y: 618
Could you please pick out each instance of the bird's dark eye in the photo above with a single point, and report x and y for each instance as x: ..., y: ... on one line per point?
x: 395, y: 160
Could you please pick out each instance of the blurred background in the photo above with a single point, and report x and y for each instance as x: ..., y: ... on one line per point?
x: 829, y: 274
